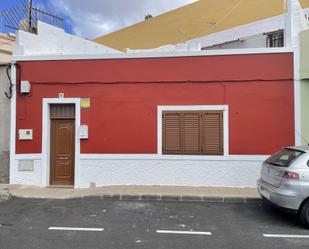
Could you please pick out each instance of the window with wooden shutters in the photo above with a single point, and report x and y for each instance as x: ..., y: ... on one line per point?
x: 193, y: 132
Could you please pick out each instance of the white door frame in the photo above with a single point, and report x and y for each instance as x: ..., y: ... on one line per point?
x: 46, y: 138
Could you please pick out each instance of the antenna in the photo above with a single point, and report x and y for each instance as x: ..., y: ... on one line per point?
x: 29, y: 15
x: 24, y: 16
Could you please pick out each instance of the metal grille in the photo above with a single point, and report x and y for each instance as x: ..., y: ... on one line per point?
x: 275, y: 39
x: 25, y: 17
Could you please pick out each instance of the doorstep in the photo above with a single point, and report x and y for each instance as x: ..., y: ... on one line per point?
x: 143, y: 193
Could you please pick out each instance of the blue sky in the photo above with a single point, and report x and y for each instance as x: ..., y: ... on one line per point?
x: 8, y: 4
x: 94, y: 18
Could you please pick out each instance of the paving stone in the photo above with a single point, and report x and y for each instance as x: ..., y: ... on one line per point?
x: 130, y: 197
x: 192, y: 198
x: 171, y: 198
x: 253, y: 200
x: 234, y: 199
x: 111, y: 197
x: 150, y: 197
x: 212, y: 199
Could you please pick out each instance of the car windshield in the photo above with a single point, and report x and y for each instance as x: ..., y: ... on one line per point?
x: 284, y: 157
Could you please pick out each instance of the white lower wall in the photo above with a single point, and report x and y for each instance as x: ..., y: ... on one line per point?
x: 169, y: 172
x: 26, y: 177
x: 106, y: 170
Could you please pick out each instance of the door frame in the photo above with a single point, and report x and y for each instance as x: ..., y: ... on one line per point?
x: 45, y: 173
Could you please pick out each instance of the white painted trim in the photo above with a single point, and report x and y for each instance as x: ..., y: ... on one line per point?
x: 46, y: 138
x: 184, y: 232
x: 223, y: 108
x: 154, y: 54
x: 172, y: 157
x: 84, y: 229
x: 297, y: 99
x: 13, y: 123
x: 28, y: 156
x: 293, y: 236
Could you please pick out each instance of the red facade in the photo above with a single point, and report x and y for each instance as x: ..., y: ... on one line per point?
x: 125, y: 94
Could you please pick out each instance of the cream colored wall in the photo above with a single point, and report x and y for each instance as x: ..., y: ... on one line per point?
x: 305, y: 84
x: 6, y: 47
x: 305, y: 110
x: 304, y: 54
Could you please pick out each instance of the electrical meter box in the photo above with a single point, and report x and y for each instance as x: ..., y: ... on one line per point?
x: 25, y: 86
x: 25, y: 134
x: 83, y: 132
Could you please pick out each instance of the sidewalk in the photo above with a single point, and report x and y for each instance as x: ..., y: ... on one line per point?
x: 168, y: 193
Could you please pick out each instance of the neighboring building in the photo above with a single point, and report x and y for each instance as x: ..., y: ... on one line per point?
x: 228, y: 24
x: 305, y: 85
x: 6, y: 45
x: 197, y: 118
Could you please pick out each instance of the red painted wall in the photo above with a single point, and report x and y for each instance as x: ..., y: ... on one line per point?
x: 126, y: 92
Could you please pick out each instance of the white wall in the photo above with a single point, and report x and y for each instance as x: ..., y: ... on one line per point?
x: 258, y: 41
x: 243, y: 31
x: 26, y: 177
x: 169, y: 173
x: 155, y: 170
x: 51, y: 40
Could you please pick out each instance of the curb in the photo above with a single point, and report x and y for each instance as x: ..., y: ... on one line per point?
x: 170, y: 198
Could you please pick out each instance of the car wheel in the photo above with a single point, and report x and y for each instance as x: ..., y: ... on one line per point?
x: 304, y: 214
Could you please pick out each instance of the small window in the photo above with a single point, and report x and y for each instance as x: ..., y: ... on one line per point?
x: 275, y: 39
x: 193, y: 132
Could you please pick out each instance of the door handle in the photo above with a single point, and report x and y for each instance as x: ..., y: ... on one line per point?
x: 63, y: 158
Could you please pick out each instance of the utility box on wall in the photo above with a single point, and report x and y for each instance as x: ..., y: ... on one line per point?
x: 83, y: 132
x: 25, y: 86
x: 25, y: 134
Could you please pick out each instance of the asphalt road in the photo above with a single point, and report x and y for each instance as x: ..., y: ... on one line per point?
x: 92, y: 223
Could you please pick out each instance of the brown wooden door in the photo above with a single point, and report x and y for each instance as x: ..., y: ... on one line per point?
x: 62, y: 151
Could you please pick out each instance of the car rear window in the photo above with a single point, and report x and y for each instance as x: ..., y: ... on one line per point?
x: 284, y: 157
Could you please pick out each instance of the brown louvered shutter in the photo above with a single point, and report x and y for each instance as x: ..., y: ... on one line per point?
x: 191, y: 132
x: 213, y: 133
x: 171, y: 132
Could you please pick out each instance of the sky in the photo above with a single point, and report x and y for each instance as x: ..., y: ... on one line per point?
x: 94, y: 18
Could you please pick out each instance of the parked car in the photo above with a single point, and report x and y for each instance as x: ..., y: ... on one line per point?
x: 284, y: 181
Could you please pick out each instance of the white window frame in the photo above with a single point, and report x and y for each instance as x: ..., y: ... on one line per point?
x: 224, y: 108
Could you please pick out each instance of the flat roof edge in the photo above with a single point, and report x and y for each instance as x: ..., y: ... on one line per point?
x: 152, y: 55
